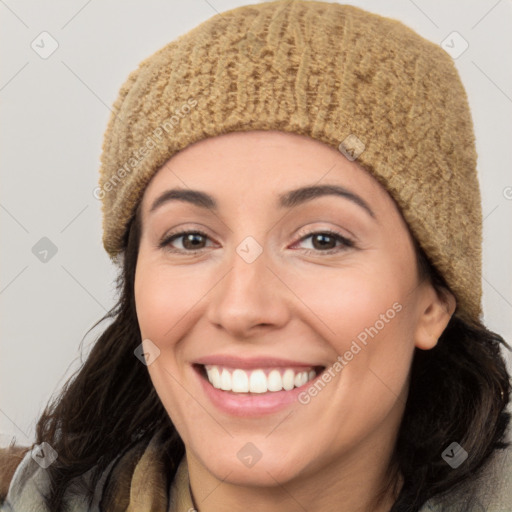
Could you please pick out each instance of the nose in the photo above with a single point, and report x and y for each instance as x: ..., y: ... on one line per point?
x: 249, y: 297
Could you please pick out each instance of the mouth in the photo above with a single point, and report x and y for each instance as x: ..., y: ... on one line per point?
x: 257, y: 381
x: 254, y: 392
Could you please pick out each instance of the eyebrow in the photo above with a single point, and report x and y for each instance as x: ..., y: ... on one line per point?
x: 288, y: 199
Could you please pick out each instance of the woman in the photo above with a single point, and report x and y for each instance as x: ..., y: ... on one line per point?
x: 290, y: 191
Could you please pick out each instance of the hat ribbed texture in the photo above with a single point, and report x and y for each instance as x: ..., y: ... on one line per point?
x: 332, y: 72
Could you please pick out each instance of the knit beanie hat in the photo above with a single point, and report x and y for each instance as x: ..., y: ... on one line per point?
x: 359, y: 82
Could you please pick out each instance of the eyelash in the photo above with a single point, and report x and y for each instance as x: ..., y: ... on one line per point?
x: 346, y: 242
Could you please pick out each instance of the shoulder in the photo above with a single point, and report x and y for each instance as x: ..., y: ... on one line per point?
x: 495, y: 483
x: 24, y: 482
x: 10, y: 459
x: 489, y: 490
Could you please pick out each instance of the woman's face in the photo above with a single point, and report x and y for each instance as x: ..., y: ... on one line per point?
x: 278, y: 285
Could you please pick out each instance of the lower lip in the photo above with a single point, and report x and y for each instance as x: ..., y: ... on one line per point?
x: 250, y: 405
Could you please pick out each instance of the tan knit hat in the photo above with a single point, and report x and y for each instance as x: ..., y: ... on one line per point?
x: 356, y: 81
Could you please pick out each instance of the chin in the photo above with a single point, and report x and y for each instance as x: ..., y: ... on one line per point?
x: 252, y: 466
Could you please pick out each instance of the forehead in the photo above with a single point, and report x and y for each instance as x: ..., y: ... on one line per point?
x: 258, y: 165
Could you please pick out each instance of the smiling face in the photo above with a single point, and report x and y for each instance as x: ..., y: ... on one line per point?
x: 279, y: 282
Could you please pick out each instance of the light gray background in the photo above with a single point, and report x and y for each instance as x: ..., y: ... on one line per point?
x: 54, y: 113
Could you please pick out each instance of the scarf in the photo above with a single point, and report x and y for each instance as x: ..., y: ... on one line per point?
x: 143, y: 485
x: 136, y: 481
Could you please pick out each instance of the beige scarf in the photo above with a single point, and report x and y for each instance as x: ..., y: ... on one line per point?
x: 139, y: 483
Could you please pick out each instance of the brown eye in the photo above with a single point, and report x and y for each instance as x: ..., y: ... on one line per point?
x: 326, y: 242
x: 191, y: 241
x: 323, y: 241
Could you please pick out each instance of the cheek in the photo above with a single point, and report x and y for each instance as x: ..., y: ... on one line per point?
x: 349, y: 301
x: 365, y: 316
x: 150, y: 302
x: 163, y: 300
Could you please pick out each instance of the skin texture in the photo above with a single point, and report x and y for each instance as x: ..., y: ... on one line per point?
x: 295, y: 302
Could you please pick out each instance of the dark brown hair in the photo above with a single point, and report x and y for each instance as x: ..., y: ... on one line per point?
x: 458, y: 392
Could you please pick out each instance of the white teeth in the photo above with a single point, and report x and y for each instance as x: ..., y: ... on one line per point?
x: 300, y: 379
x: 274, y: 381
x: 239, y: 382
x: 214, y: 377
x: 225, y: 380
x: 257, y: 381
x: 288, y: 378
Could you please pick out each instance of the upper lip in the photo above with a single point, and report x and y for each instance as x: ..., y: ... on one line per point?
x: 252, y: 362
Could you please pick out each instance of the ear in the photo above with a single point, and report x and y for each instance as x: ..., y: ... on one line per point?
x: 437, y: 307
